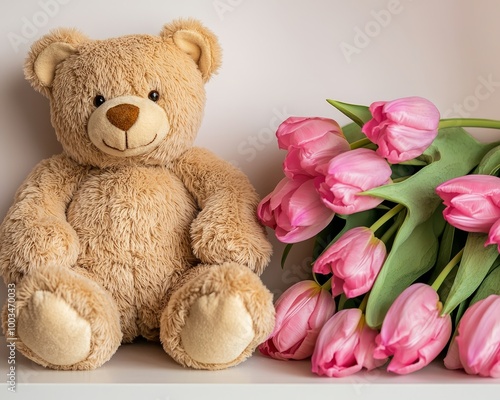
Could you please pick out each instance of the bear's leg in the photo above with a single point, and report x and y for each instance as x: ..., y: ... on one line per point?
x: 64, y: 320
x: 216, y: 316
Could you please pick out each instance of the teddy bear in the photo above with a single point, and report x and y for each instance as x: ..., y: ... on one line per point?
x: 132, y: 231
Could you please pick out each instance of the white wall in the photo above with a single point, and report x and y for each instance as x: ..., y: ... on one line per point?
x: 281, y: 58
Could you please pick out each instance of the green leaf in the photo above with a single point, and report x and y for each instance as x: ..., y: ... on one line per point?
x: 284, y: 256
x: 445, y: 250
x: 352, y: 132
x: 445, y: 287
x: 407, y: 260
x: 490, y: 164
x: 453, y: 153
x: 357, y: 113
x: 474, y: 266
x: 490, y: 284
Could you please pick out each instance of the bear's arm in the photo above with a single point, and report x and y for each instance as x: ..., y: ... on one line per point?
x: 226, y: 229
x: 35, y: 232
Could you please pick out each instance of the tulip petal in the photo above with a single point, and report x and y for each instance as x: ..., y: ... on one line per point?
x: 426, y: 354
x: 487, y: 185
x: 333, y: 354
x: 366, y: 348
x: 354, y: 259
x: 301, y: 311
x: 344, y: 345
x: 350, y: 174
x: 494, y: 235
x: 294, y: 210
x: 415, y: 112
x: 305, y: 206
x: 403, y: 128
x: 452, y: 359
x: 413, y: 332
x: 296, y: 131
x: 401, y: 143
x: 472, y: 201
x: 478, y: 336
x: 294, y: 298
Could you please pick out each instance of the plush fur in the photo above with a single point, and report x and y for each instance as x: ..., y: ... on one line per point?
x: 132, y: 231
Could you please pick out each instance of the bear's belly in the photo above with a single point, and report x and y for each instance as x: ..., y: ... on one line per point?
x: 133, y: 228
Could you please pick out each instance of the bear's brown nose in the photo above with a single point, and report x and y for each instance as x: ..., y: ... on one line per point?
x: 123, y: 116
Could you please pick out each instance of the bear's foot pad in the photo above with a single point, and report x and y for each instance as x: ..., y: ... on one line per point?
x: 53, y: 330
x: 217, y: 330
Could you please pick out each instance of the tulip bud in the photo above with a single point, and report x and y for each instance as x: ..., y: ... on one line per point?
x: 402, y: 128
x: 472, y: 202
x: 355, y: 261
x: 347, y: 176
x: 345, y: 345
x: 311, y: 143
x: 476, y: 347
x: 413, y: 332
x: 294, y: 210
x: 301, y: 312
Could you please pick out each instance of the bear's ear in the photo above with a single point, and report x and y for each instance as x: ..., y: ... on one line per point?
x: 198, y: 42
x: 47, y: 53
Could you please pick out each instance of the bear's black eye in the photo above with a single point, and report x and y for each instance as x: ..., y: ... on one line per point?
x: 154, y: 95
x: 98, y: 100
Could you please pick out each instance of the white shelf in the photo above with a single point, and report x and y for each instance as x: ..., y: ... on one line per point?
x: 144, y: 371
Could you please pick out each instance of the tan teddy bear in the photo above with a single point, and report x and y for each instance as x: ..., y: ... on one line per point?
x: 132, y: 231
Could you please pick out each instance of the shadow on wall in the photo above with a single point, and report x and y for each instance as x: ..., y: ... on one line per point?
x: 35, y: 138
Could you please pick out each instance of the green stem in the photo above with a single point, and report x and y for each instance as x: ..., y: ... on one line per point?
x: 315, y: 279
x: 342, y: 301
x: 470, y: 123
x: 388, y: 234
x: 360, y: 143
x: 362, y: 306
x: 446, y: 270
x: 327, y: 285
x: 386, y: 217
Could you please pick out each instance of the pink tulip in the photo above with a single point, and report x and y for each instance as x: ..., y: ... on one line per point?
x: 355, y: 261
x: 472, y: 202
x: 494, y: 235
x: 476, y: 348
x: 347, y: 176
x: 413, y: 332
x: 294, y: 210
x: 402, y: 128
x: 311, y: 143
x: 301, y: 312
x: 345, y: 345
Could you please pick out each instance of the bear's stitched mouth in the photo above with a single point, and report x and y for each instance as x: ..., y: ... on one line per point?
x: 126, y: 144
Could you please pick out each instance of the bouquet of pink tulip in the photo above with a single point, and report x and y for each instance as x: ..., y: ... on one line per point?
x: 404, y: 209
